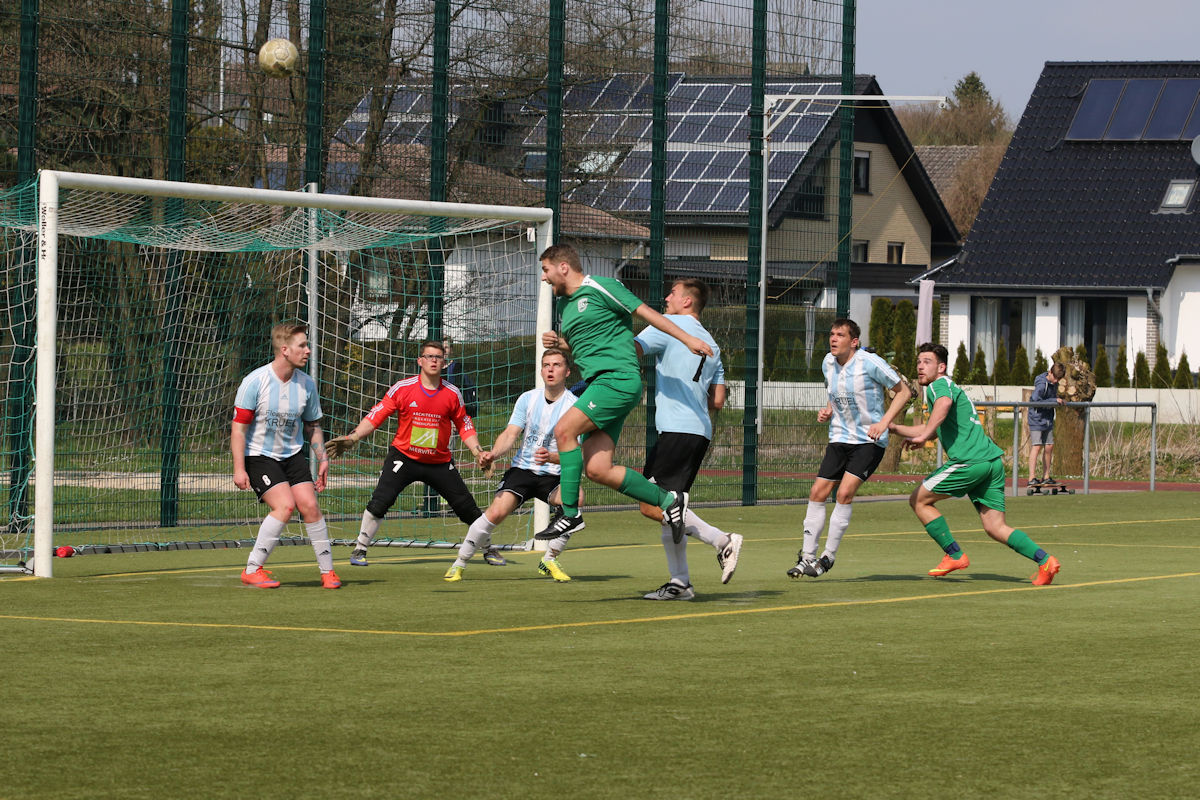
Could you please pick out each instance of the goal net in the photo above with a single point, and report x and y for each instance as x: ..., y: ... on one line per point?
x: 136, y: 307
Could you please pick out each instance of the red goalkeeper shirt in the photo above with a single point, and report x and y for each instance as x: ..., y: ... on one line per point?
x: 424, y: 416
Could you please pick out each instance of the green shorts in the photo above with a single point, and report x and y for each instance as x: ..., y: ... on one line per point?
x: 609, y: 398
x: 982, y: 482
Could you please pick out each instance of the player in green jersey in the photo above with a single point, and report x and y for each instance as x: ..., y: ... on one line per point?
x: 974, y: 467
x: 597, y: 330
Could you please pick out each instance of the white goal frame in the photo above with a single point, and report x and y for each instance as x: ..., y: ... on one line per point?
x: 49, y: 183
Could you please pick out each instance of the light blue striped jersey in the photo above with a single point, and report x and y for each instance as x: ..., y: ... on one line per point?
x: 856, y: 392
x: 280, y: 411
x: 537, y: 418
x: 682, y: 378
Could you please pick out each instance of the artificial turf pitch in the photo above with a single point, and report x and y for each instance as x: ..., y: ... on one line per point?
x: 158, y: 674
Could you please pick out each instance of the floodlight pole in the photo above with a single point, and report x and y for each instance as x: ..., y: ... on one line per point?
x: 777, y: 108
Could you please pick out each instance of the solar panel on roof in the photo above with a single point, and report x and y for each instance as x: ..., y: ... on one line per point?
x: 714, y: 95
x: 1192, y: 129
x: 699, y: 198
x: 1095, y: 109
x: 635, y: 127
x: 717, y: 130
x: 707, y: 137
x: 635, y: 165
x: 691, y: 164
x: 639, y: 197
x: 732, y: 197
x: 1133, y: 110
x: 582, y: 95
x: 1175, y: 105
x: 689, y: 129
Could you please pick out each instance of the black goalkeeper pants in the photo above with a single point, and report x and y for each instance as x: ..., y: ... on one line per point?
x: 399, y: 471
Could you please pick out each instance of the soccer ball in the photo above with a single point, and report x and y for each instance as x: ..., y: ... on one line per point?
x: 278, y: 57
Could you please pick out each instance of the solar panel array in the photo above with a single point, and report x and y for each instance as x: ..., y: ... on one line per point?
x: 1138, y: 109
x: 409, y: 118
x: 708, y: 141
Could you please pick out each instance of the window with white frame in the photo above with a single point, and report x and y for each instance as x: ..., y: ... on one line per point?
x: 862, y: 171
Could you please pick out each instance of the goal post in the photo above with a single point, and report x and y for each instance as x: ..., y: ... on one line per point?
x: 122, y: 261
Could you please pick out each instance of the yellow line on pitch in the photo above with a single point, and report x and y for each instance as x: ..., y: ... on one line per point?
x: 598, y: 623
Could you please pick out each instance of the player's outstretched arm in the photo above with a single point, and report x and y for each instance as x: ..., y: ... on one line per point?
x: 472, y: 443
x: 505, y: 441
x: 652, y: 317
x: 903, y: 395
x: 917, y: 435
x: 339, y: 446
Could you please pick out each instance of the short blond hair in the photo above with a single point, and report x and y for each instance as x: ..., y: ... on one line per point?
x: 282, y: 333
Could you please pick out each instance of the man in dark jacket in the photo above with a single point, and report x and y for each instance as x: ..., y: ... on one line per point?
x: 1041, y: 422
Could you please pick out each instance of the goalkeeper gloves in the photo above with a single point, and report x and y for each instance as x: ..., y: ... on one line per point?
x: 340, y: 445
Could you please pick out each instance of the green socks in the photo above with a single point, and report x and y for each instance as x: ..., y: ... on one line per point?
x: 635, y: 485
x: 1027, y: 547
x: 571, y: 462
x: 939, y: 531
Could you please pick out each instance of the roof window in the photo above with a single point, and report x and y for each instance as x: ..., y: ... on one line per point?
x: 1178, y: 196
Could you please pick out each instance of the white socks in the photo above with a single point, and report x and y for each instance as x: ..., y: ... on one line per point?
x: 814, y: 523
x: 676, y: 552
x: 839, y: 520
x: 478, y: 535
x: 710, y: 535
x: 367, y: 531
x: 264, y: 543
x: 318, y: 534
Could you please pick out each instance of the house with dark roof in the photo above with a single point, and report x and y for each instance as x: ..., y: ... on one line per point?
x: 899, y: 225
x: 1090, y: 231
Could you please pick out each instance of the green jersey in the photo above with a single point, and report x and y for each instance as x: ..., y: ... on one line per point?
x: 961, y: 433
x: 597, y: 321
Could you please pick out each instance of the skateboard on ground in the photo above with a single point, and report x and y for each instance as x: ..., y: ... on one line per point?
x: 1049, y: 487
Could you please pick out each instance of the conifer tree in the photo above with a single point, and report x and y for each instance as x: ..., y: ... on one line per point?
x: 1183, y: 373
x: 1121, y: 371
x: 1019, y: 375
x: 979, y: 373
x: 962, y: 365
x: 904, y: 333
x: 1141, y: 371
x: 1102, y: 371
x: 1001, y: 369
x: 1161, y: 377
x: 880, y: 328
x: 1039, y: 363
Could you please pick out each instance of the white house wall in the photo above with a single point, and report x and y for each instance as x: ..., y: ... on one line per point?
x: 959, y: 325
x: 1136, y: 331
x: 1046, y: 328
x: 1180, y: 306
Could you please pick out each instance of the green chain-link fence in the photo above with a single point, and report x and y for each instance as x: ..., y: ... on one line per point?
x: 640, y: 123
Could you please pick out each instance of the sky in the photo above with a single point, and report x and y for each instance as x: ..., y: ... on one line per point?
x: 926, y: 47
